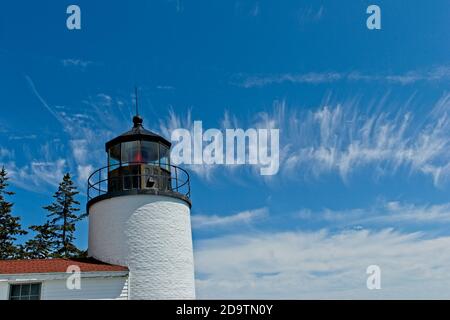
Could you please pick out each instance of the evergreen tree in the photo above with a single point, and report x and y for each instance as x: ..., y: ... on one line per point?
x: 9, y: 225
x: 63, y: 215
x: 43, y: 244
x: 82, y: 254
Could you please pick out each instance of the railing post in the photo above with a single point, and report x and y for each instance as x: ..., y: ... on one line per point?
x: 188, y: 185
x: 176, y: 179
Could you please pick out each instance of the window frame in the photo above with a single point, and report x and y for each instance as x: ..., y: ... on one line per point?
x: 165, y: 166
x: 119, y: 163
x: 29, y: 295
x: 155, y: 144
x: 124, y: 148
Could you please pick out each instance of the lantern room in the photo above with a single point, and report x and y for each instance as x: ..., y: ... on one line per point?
x: 138, y: 163
x: 138, y: 159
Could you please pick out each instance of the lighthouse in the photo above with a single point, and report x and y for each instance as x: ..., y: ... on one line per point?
x: 139, y: 215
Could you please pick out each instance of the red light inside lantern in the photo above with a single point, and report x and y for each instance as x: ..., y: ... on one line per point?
x: 137, y: 156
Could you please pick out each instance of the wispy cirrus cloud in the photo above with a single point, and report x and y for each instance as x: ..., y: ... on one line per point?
x: 23, y: 137
x: 310, y: 14
x: 384, y: 213
x: 208, y: 172
x: 322, y: 265
x: 344, y: 137
x: 6, y: 153
x: 340, y: 136
x: 247, y: 8
x: 76, y: 63
x: 175, y: 121
x: 80, y: 150
x: 77, y: 148
x: 83, y: 143
x: 440, y: 73
x: 165, y: 87
x: 214, y: 221
x: 311, y: 78
x: 41, y: 99
x: 37, y: 175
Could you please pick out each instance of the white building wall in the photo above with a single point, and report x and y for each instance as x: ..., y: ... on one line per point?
x: 4, y: 290
x: 91, y: 289
x: 53, y: 287
x: 151, y: 235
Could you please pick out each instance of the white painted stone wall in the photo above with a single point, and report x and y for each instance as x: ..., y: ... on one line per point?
x: 151, y: 235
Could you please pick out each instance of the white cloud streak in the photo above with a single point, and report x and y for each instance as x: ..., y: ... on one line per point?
x: 346, y: 136
x: 85, y: 140
x: 175, y: 121
x: 383, y: 213
x: 78, y: 63
x: 310, y: 14
x: 37, y: 175
x: 214, y: 221
x: 440, y: 73
x: 5, y: 153
x: 342, y: 138
x: 41, y: 100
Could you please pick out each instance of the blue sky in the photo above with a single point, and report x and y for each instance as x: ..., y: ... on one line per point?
x: 363, y: 116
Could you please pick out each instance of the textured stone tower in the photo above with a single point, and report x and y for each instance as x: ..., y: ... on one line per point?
x: 139, y: 216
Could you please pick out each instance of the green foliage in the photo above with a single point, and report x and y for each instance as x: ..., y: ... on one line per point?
x: 43, y: 245
x: 10, y: 226
x: 59, y: 230
x: 55, y: 238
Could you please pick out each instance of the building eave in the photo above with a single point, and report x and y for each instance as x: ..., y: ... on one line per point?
x: 30, y: 277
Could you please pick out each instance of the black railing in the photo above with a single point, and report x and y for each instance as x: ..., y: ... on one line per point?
x: 123, y: 177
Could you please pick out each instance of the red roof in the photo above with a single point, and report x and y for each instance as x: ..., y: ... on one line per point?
x: 55, y: 265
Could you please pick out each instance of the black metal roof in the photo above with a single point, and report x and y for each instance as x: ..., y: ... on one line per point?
x: 137, y: 133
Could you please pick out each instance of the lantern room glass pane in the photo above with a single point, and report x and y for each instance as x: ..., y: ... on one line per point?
x: 150, y: 153
x: 114, y: 157
x: 165, y: 157
x: 131, y: 152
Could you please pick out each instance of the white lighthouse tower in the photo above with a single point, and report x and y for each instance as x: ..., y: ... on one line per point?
x: 139, y: 216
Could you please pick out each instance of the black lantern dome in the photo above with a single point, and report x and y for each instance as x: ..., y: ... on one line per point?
x: 137, y: 133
